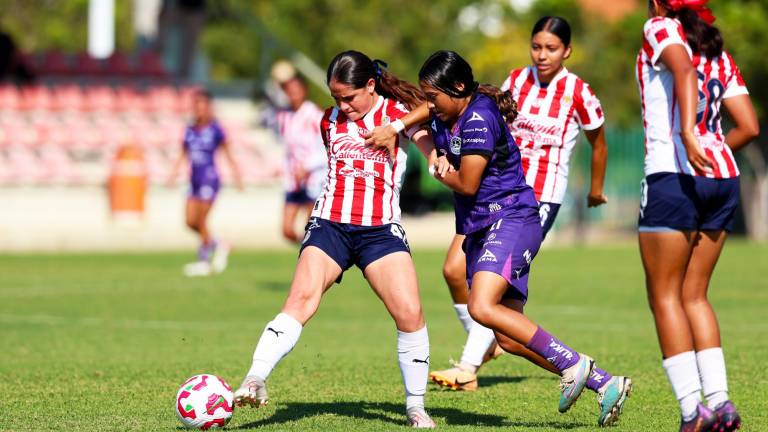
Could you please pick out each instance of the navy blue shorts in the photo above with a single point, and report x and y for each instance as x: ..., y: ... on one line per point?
x: 681, y: 202
x: 547, y: 213
x: 299, y: 196
x: 349, y: 244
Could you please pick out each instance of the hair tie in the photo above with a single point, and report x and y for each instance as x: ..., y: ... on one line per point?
x: 379, y: 67
x: 698, y: 6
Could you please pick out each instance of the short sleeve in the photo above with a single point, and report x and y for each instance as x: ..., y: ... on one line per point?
x: 658, y: 34
x: 735, y: 85
x: 507, y: 84
x: 478, y: 134
x: 588, y: 111
x: 325, y: 125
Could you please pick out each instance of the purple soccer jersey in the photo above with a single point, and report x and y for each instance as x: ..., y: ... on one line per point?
x: 481, y: 130
x: 200, y: 144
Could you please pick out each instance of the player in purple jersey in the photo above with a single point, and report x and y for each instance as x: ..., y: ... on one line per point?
x: 202, y: 139
x: 498, y: 213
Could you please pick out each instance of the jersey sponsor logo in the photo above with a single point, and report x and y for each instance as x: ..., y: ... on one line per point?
x: 456, y: 145
x: 346, y: 147
x: 475, y: 140
x: 488, y: 256
x: 357, y: 173
x: 475, y: 117
x: 481, y: 130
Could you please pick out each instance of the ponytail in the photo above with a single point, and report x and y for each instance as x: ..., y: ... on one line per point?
x: 503, y: 99
x: 390, y: 86
x: 702, y: 37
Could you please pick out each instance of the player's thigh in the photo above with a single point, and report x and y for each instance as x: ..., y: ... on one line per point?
x: 706, y: 251
x: 455, y: 265
x: 315, y: 273
x: 393, y: 279
x: 290, y: 210
x: 665, y: 256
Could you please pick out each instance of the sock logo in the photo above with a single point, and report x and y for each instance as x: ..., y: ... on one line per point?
x: 276, y: 332
x: 597, y: 377
x: 556, y: 347
x: 425, y: 361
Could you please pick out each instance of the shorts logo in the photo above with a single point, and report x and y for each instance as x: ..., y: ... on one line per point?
x: 491, y: 236
x: 488, y: 256
x: 475, y: 116
x: 494, y: 207
x: 527, y: 256
x: 306, y: 236
x: 456, y: 145
x: 399, y: 232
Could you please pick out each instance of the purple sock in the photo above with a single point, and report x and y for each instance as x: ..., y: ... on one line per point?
x: 204, y: 251
x: 598, y: 378
x: 559, y: 354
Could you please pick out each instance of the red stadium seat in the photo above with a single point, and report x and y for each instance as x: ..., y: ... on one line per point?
x: 129, y: 99
x: 101, y: 98
x: 69, y: 97
x: 38, y: 98
x: 150, y: 64
x: 87, y: 65
x: 10, y: 100
x: 56, y: 63
x: 163, y: 98
x: 119, y: 64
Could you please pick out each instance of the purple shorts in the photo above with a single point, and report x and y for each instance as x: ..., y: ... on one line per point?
x: 204, y: 190
x: 506, y: 248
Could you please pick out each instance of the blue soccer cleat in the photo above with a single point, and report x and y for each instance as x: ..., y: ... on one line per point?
x: 611, y: 398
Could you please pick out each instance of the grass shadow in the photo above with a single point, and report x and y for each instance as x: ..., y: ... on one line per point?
x: 392, y: 413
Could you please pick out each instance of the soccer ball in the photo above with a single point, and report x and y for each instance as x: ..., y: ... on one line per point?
x: 204, y: 402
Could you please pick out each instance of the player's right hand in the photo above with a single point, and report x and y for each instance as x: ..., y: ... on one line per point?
x: 382, y: 137
x: 442, y: 167
x: 696, y: 156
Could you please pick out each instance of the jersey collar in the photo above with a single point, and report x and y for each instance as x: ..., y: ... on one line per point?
x: 563, y: 72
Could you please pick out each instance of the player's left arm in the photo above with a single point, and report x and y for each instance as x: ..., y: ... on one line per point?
x: 426, y: 146
x: 746, y: 127
x: 596, y: 138
x: 224, y: 146
x: 466, y: 180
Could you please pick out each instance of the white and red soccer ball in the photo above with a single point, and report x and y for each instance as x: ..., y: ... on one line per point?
x: 204, y: 402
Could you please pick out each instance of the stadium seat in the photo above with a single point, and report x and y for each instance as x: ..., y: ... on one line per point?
x: 56, y: 63
x: 88, y: 66
x: 10, y: 100
x: 150, y: 64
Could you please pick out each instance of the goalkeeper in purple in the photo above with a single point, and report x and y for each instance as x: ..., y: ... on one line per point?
x: 498, y: 213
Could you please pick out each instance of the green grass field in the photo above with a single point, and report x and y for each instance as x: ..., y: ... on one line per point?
x: 102, y: 342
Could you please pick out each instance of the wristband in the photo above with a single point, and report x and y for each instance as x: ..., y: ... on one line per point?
x: 398, y: 125
x: 431, y: 170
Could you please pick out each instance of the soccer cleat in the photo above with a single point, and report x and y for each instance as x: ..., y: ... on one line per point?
x: 220, y: 257
x: 418, y: 418
x: 705, y: 420
x: 611, y: 398
x: 573, y: 381
x: 253, y: 392
x: 728, y: 418
x: 197, y: 269
x: 455, y: 379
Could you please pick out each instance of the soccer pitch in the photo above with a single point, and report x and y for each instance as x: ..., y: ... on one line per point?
x: 102, y: 342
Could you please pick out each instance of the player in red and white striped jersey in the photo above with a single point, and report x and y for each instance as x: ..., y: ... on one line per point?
x: 356, y: 221
x: 305, y: 157
x: 689, y: 196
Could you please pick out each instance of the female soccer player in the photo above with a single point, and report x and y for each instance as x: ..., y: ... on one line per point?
x: 689, y: 196
x: 306, y: 162
x: 498, y: 213
x: 202, y: 139
x: 553, y: 105
x: 356, y: 221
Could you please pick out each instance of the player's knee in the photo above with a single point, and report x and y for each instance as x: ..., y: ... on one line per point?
x: 303, y: 302
x: 409, y: 317
x: 481, y: 312
x: 452, y: 273
x: 192, y: 224
x: 289, y: 233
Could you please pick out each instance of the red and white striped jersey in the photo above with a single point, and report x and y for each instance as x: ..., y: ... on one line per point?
x: 300, y: 132
x: 547, y: 126
x: 363, y: 184
x: 719, y: 78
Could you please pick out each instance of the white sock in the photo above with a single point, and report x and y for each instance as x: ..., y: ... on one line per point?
x: 478, y: 341
x: 413, y: 356
x: 279, y: 337
x: 463, y: 313
x: 713, y: 380
x: 683, y: 374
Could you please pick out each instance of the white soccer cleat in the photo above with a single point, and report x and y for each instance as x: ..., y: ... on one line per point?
x: 220, y: 257
x: 418, y: 418
x: 253, y: 392
x: 197, y: 269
